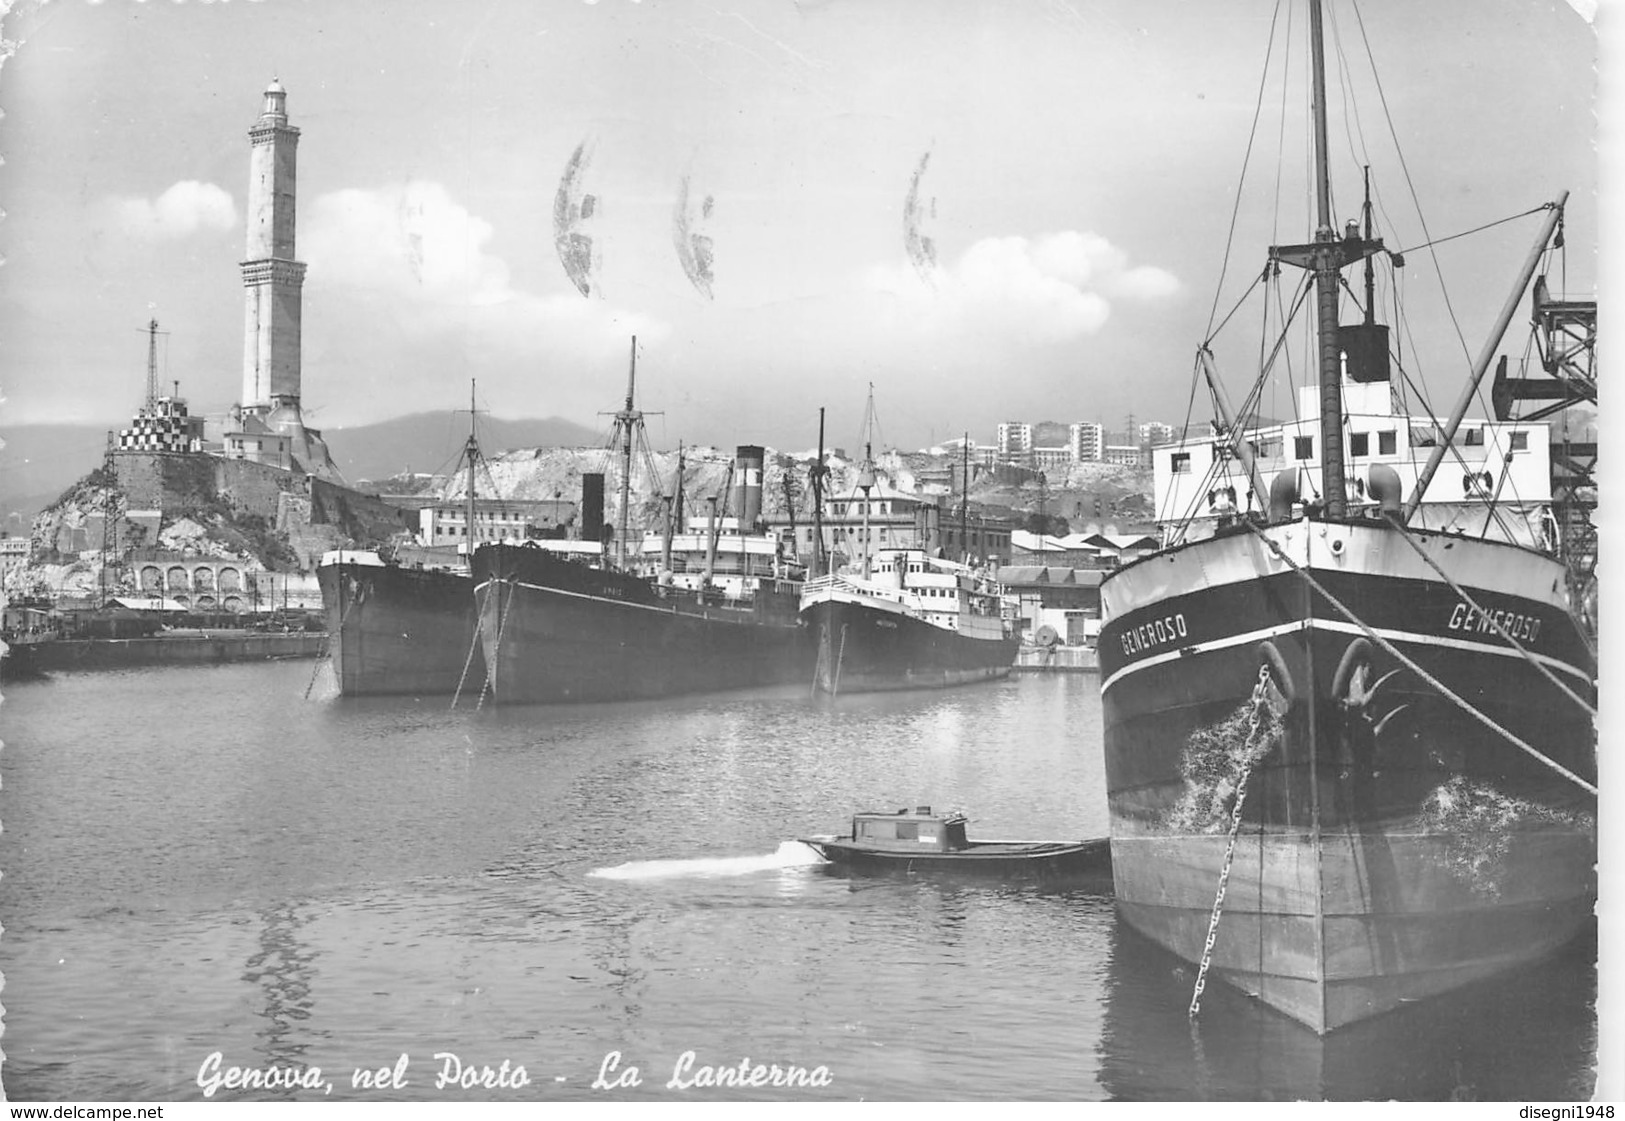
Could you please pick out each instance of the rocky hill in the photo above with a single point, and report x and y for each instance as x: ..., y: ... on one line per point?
x: 40, y: 461
x: 1090, y: 493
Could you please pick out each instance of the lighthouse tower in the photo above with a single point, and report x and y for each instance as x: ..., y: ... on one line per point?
x: 267, y: 425
x: 272, y: 278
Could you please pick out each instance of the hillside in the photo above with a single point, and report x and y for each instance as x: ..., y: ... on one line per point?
x: 39, y: 462
x: 1092, y: 495
x: 430, y: 442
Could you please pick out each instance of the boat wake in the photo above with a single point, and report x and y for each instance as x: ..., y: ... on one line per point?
x: 790, y: 854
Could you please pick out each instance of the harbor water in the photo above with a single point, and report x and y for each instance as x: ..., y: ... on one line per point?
x: 205, y: 869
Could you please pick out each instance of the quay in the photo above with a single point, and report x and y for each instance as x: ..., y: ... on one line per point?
x: 1057, y: 659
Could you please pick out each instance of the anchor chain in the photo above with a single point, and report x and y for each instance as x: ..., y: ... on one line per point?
x: 1260, y: 703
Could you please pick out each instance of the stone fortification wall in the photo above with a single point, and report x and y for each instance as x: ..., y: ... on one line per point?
x: 314, y: 515
x: 360, y: 517
x: 169, y: 481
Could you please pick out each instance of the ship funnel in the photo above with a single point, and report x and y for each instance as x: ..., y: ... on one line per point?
x: 1283, y: 493
x: 592, y: 506
x: 747, y: 491
x: 1385, y: 488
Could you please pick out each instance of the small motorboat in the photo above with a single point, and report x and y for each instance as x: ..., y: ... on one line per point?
x: 920, y: 841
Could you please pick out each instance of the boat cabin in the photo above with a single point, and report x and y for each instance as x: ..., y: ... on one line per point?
x: 1199, y: 484
x: 906, y: 831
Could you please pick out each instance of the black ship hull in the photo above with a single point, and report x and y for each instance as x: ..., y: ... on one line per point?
x: 400, y: 631
x: 867, y: 648
x: 23, y: 660
x: 555, y: 629
x: 1392, y: 843
x: 40, y: 659
x: 1043, y: 861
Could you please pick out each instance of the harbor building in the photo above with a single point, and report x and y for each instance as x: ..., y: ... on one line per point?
x: 266, y: 424
x: 1052, y: 459
x: 896, y: 520
x: 1087, y: 441
x: 1063, y: 598
x: 161, y: 424
x: 1017, y: 445
x: 13, y: 556
x: 1015, y: 442
x: 1156, y: 432
x: 495, y: 519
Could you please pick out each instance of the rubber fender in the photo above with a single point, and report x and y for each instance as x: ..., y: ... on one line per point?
x: 1358, y: 652
x: 1269, y: 656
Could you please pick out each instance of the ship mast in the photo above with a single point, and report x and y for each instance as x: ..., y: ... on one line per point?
x: 866, y: 474
x: 1326, y: 257
x: 819, y: 473
x: 471, y: 453
x: 625, y: 420
x: 1327, y: 265
x: 677, y: 501
x: 152, y: 364
x: 964, y: 499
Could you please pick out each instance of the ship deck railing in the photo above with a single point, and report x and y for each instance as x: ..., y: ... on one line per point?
x: 972, y: 602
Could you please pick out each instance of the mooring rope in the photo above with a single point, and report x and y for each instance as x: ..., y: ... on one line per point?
x: 496, y: 648
x: 479, y: 626
x: 840, y: 658
x: 823, y: 657
x: 1419, y: 671
x: 1487, y: 617
x: 327, y: 645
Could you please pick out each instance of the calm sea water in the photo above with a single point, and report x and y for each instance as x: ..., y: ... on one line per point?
x: 202, y: 861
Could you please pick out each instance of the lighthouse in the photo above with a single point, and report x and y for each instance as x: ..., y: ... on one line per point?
x: 272, y: 277
x: 267, y: 425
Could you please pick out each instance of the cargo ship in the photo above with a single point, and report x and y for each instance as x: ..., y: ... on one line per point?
x: 915, y: 622
x: 710, y: 611
x: 406, y: 629
x: 1349, y: 706
x: 557, y: 628
x: 899, y: 618
x: 35, y: 657
x: 396, y: 629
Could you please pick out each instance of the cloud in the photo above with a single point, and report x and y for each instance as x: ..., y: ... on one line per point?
x: 184, y: 209
x: 1048, y: 289
x: 404, y: 289
x: 423, y: 252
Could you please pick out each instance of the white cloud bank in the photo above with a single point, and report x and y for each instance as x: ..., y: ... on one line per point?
x: 1048, y: 289
x: 416, y: 248
x: 182, y: 210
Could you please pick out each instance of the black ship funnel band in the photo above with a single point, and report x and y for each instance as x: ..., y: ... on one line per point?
x: 747, y: 490
x: 592, y: 505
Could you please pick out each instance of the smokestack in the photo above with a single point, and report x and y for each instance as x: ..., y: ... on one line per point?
x: 711, y: 543
x: 592, y: 506
x: 747, y: 495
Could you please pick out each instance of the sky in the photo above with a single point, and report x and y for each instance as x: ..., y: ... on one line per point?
x: 984, y: 210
